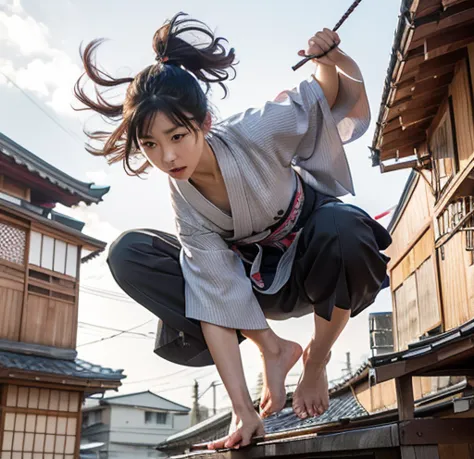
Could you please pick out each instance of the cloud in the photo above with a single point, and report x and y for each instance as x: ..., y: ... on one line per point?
x: 42, y: 69
x: 98, y: 177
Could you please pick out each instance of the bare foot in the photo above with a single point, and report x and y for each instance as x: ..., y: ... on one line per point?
x: 311, y: 397
x: 276, y: 367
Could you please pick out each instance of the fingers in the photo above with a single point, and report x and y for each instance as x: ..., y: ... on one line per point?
x: 234, y: 440
x: 217, y: 444
x: 322, y: 42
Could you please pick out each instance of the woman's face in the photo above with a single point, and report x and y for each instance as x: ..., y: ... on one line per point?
x: 172, y: 148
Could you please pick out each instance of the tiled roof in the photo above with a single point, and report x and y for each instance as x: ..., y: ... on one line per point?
x: 426, y: 346
x: 341, y: 407
x: 82, y: 191
x: 73, y: 368
x: 344, y: 406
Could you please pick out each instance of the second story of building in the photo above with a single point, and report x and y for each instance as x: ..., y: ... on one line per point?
x: 41, y: 250
x: 141, y: 418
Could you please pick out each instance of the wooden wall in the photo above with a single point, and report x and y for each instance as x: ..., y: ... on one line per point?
x: 416, y: 214
x: 38, y: 285
x: 416, y: 305
x: 463, y: 114
x: 457, y: 286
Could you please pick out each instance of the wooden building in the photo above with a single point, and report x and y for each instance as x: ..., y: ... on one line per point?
x: 42, y: 383
x: 419, y: 398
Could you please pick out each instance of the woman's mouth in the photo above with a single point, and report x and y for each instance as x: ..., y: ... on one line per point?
x: 177, y: 171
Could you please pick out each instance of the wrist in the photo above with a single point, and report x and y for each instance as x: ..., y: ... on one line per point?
x: 243, y: 408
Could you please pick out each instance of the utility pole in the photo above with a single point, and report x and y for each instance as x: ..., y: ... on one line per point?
x: 214, y: 408
x: 195, y: 414
x: 348, y: 364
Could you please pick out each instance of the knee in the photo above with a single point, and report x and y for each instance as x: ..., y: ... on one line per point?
x: 120, y: 253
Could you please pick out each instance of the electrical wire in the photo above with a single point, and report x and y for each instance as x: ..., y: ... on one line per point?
x: 115, y: 335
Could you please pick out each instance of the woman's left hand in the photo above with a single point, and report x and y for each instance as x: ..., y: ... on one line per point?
x: 321, y: 43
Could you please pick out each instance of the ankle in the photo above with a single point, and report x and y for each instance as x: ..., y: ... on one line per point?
x: 313, y: 353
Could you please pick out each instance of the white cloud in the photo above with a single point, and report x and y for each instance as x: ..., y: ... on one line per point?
x: 98, y: 177
x: 44, y: 70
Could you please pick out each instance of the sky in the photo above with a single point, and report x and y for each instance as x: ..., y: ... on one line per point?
x: 39, y: 64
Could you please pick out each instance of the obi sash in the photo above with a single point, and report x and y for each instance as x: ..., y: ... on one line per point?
x: 282, y: 238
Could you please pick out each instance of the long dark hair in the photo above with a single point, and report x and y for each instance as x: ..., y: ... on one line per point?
x: 169, y: 86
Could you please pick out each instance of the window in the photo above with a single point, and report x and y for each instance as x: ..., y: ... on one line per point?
x: 53, y: 254
x: 152, y: 417
x: 443, y: 150
x: 39, y: 423
x: 12, y: 244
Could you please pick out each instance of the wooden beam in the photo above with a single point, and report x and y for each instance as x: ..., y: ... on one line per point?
x: 441, y: 20
x: 405, y: 399
x: 410, y: 104
x: 428, y: 86
x: 436, y: 431
x: 405, y: 140
x: 450, y: 40
x: 411, y: 117
x: 392, y: 125
x: 398, y: 166
x: 404, y: 152
x: 400, y: 135
x: 433, y: 66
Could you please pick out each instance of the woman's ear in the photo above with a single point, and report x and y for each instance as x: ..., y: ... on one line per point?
x: 207, y: 125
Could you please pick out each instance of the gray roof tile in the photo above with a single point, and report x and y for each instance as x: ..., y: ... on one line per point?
x: 74, y: 368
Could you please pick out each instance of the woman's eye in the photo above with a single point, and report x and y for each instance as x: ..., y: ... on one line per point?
x: 149, y: 144
x: 177, y: 137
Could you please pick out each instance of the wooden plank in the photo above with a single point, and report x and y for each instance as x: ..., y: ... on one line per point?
x: 450, y: 17
x: 429, y: 309
x: 463, y: 114
x: 428, y: 86
x: 449, y: 40
x: 454, y: 451
x: 405, y: 140
x: 11, y: 295
x: 436, y: 431
x: 48, y: 321
x: 398, y: 153
x: 453, y: 282
x: 405, y: 400
x: 411, y: 117
x: 394, y: 136
x: 399, y: 107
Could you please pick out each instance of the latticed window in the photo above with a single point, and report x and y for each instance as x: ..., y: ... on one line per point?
x: 39, y: 423
x: 12, y: 243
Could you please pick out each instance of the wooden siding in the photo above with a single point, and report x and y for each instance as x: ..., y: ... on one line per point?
x: 49, y: 322
x: 453, y: 277
x: 470, y: 49
x: 463, y: 114
x: 11, y: 301
x: 417, y: 212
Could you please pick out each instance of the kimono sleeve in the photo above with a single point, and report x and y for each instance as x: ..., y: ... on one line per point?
x: 300, y: 122
x: 217, y: 289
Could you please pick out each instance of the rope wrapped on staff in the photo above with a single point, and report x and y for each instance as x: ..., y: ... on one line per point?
x: 341, y: 21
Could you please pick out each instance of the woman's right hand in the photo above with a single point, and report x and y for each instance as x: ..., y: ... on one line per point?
x: 242, y: 430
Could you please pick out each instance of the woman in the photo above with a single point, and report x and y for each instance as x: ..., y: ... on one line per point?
x: 261, y: 231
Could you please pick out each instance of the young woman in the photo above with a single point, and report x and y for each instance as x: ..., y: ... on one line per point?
x: 261, y: 231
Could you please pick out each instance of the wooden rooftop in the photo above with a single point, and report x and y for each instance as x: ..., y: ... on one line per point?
x: 430, y: 39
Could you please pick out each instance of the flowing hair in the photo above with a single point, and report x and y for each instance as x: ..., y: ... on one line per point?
x: 171, y: 86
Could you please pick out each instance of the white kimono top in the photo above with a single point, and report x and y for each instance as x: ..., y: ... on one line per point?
x: 258, y: 152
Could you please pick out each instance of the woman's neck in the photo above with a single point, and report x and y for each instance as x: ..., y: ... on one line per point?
x: 207, y: 170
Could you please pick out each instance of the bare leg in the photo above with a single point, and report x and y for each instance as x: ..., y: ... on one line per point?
x: 224, y: 347
x: 278, y: 356
x: 311, y: 397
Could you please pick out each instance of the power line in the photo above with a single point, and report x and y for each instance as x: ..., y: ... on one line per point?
x: 115, y: 335
x: 51, y: 117
x: 144, y: 335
